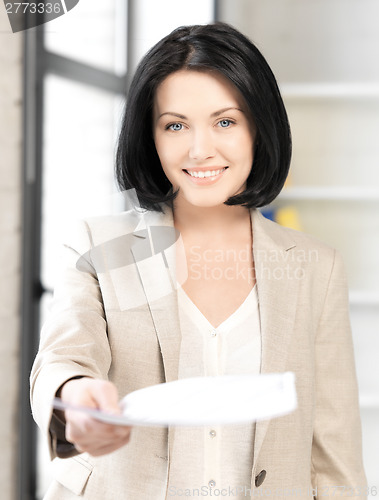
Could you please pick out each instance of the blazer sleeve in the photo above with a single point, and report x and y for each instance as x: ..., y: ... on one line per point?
x: 73, y: 341
x: 337, y: 466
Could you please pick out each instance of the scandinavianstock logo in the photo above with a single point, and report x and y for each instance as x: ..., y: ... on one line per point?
x: 25, y: 15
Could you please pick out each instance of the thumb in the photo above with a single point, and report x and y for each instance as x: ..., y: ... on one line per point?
x: 105, y: 395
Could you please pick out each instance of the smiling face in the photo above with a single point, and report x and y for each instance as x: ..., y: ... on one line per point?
x: 201, y: 127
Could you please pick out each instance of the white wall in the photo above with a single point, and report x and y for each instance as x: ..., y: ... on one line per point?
x: 152, y: 20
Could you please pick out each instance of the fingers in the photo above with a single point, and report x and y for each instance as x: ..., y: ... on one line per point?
x: 96, y: 438
x: 82, y: 429
x: 102, y: 447
x: 105, y: 396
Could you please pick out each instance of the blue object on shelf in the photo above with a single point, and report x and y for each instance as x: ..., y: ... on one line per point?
x: 269, y: 213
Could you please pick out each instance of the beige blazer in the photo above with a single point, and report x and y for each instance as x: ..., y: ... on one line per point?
x: 116, y: 318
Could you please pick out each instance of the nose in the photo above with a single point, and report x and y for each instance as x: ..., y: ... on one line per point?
x: 202, y: 145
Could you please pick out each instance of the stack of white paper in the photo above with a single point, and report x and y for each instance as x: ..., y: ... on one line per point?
x: 230, y: 399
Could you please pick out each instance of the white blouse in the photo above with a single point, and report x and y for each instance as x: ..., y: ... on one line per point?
x: 218, y: 458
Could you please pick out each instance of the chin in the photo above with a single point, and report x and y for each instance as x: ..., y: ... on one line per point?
x: 205, y: 200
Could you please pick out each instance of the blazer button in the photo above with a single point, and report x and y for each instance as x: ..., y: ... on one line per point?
x: 260, y: 478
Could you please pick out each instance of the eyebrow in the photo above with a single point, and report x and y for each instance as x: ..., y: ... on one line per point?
x: 213, y: 115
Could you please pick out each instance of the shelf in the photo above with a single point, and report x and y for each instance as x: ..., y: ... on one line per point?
x: 369, y: 401
x: 362, y: 298
x: 324, y: 90
x: 329, y: 193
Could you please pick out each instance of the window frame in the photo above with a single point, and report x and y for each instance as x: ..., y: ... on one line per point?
x: 38, y: 64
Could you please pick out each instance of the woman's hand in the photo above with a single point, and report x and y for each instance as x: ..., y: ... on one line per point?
x: 84, y: 432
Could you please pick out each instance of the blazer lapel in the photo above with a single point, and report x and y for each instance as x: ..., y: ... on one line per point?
x: 277, y: 294
x: 154, y: 251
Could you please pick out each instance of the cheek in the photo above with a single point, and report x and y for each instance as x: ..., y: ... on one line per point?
x: 170, y: 152
x: 241, y: 147
x: 247, y: 145
x: 162, y: 152
x: 168, y: 158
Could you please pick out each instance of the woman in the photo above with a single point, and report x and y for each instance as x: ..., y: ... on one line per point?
x: 205, y: 141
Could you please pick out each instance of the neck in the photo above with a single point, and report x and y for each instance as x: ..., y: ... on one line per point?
x: 216, y: 221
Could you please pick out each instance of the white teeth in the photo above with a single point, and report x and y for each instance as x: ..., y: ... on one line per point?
x: 208, y: 173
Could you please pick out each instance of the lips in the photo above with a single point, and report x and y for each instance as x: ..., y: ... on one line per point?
x: 208, y: 180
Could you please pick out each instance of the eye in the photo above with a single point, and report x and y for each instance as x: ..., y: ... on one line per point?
x: 175, y: 127
x: 225, y: 123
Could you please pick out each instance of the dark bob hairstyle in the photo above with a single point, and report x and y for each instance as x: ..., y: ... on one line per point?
x: 213, y: 47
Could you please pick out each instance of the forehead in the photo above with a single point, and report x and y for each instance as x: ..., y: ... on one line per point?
x: 188, y: 87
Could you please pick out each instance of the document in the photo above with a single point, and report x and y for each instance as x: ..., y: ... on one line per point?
x: 203, y: 401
